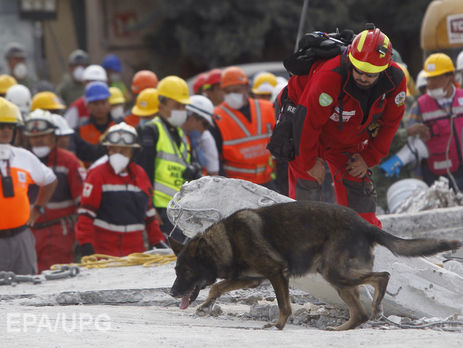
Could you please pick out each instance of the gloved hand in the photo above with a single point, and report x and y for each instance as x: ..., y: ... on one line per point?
x: 86, y: 249
x: 392, y: 166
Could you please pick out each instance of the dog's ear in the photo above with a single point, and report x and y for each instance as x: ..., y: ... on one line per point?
x: 177, y: 247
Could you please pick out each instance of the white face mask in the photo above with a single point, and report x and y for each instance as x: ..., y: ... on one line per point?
x: 459, y: 77
x: 20, y: 70
x: 5, y: 151
x: 119, y: 162
x: 78, y: 73
x: 177, y: 117
x: 436, y: 93
x: 234, y: 100
x: 117, y: 113
x: 41, y: 151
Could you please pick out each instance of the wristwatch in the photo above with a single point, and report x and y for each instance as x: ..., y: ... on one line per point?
x: 40, y: 209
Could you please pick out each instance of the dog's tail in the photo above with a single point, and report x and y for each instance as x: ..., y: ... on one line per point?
x: 413, y: 247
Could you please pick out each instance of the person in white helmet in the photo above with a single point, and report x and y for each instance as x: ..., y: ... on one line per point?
x: 63, y: 132
x: 20, y: 96
x: 54, y: 229
x: 196, y: 127
x: 421, y: 83
x: 117, y: 203
x: 77, y: 113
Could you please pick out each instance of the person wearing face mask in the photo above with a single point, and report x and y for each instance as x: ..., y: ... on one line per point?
x: 145, y: 109
x: 211, y: 87
x: 113, y: 66
x: 54, y: 229
x: 19, y: 168
x: 244, y: 126
x: 72, y: 86
x: 197, y: 125
x: 15, y: 55
x: 440, y: 110
x: 117, y: 204
x: 117, y: 102
x: 97, y: 99
x: 165, y: 152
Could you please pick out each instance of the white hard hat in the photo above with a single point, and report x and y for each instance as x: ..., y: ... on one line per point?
x: 282, y: 82
x: 95, y: 72
x: 121, y: 134
x: 20, y: 96
x: 62, y: 126
x: 459, y: 61
x: 420, y: 79
x: 201, y: 106
x: 39, y: 122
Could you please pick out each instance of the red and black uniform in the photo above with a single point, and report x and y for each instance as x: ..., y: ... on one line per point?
x: 54, y: 230
x: 115, y: 209
x: 370, y: 119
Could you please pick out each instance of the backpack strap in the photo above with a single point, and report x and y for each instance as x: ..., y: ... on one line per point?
x: 343, y: 72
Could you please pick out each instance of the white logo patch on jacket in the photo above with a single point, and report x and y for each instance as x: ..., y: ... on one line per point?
x: 346, y: 115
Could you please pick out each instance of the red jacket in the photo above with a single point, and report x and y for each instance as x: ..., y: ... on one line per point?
x: 321, y: 133
x: 115, y: 210
x: 66, y: 197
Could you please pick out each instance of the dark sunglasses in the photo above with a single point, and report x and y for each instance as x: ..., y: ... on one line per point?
x: 369, y: 75
x: 7, y: 125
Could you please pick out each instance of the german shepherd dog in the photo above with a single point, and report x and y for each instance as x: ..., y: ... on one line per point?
x: 292, y: 239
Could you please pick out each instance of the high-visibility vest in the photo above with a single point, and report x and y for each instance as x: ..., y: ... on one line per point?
x: 439, y: 122
x: 169, y: 164
x: 244, y: 151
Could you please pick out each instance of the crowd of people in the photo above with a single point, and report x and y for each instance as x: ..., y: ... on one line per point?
x: 91, y: 165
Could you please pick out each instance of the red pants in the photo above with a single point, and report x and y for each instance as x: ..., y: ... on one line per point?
x: 54, y: 244
x: 355, y: 193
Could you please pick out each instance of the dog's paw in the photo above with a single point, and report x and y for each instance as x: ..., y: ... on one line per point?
x: 275, y: 325
x: 204, y: 310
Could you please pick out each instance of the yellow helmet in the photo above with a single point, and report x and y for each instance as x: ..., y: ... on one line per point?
x: 116, y: 96
x: 46, y: 101
x: 175, y: 88
x: 6, y: 81
x: 264, y: 83
x: 8, y: 112
x: 147, y: 103
x: 438, y: 64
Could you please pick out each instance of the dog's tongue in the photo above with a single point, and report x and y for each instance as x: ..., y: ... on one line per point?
x: 185, y: 302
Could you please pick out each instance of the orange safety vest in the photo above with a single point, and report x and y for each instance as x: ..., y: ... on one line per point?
x: 244, y: 151
x: 90, y: 133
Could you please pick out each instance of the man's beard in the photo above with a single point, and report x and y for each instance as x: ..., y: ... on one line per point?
x: 366, y: 87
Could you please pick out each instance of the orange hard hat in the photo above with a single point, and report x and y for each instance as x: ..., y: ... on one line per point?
x: 142, y: 80
x: 233, y: 76
x: 199, y: 82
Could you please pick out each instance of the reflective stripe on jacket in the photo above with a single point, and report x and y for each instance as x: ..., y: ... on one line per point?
x: 169, y: 164
x: 439, y: 123
x: 244, y: 151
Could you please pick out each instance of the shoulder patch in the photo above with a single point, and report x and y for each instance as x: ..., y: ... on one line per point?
x: 400, y: 98
x: 325, y: 99
x: 87, y: 191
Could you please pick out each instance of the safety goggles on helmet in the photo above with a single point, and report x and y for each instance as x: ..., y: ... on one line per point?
x: 121, y: 138
x: 38, y: 126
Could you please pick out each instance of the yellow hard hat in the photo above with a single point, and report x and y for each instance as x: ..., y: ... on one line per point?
x: 264, y: 83
x: 438, y: 64
x: 116, y: 96
x: 46, y: 101
x: 8, y: 112
x: 147, y: 103
x: 6, y: 81
x: 175, y: 88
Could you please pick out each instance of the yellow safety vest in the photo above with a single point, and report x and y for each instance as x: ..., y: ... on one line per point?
x: 169, y: 164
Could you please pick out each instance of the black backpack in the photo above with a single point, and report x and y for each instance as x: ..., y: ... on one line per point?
x: 284, y: 142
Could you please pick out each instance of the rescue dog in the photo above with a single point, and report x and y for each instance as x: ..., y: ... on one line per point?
x: 292, y: 239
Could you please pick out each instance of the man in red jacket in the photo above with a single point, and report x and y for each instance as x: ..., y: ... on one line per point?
x: 368, y: 89
x: 54, y: 229
x: 116, y: 204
